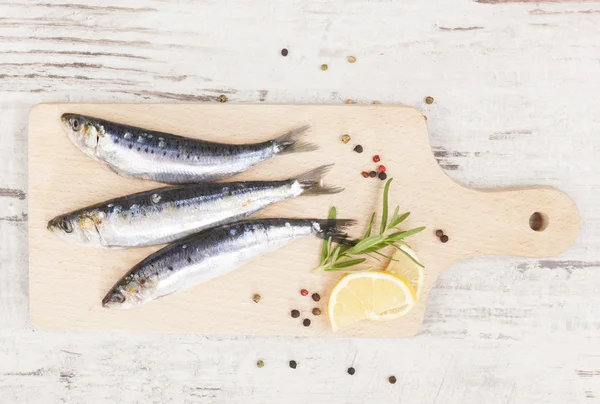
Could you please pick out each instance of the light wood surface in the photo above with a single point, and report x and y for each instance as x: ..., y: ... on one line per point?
x: 516, y: 94
x: 62, y: 178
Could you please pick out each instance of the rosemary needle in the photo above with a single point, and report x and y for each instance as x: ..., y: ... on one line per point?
x: 346, y: 257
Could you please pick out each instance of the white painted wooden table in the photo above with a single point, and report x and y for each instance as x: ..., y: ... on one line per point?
x: 516, y: 89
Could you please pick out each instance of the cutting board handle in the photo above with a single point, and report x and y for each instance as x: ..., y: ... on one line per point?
x: 528, y: 222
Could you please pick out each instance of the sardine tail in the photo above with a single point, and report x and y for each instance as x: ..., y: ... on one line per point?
x: 334, y: 228
x: 289, y: 143
x: 312, y: 182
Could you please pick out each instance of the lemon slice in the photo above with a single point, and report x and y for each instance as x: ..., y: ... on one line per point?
x: 407, y: 269
x: 371, y: 295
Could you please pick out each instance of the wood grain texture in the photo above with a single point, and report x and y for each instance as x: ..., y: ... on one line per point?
x: 515, y: 105
x: 224, y: 305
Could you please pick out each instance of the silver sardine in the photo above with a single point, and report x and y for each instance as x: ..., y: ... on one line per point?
x: 166, y: 214
x: 212, y: 253
x: 144, y: 154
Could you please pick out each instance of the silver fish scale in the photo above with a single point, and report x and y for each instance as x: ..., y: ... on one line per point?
x: 166, y: 214
x: 162, y: 157
x: 217, y: 251
x: 138, y: 153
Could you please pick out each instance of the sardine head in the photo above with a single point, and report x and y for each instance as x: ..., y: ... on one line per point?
x: 129, y: 292
x: 76, y: 228
x: 84, y: 132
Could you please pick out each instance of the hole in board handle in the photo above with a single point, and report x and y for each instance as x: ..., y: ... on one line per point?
x: 538, y: 221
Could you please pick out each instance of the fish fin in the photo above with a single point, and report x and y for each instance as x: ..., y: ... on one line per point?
x: 311, y: 182
x: 334, y: 228
x: 289, y: 143
x: 165, y: 295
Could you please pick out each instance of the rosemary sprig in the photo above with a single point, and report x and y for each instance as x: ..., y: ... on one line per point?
x: 342, y: 257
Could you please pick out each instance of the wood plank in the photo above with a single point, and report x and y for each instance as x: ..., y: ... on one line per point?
x: 521, y: 331
x: 62, y: 178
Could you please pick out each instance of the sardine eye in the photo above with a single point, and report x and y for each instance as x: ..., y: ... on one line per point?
x: 75, y: 124
x: 65, y: 224
x: 117, y: 298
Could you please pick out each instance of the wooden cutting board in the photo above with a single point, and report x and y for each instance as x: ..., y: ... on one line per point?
x: 67, y: 282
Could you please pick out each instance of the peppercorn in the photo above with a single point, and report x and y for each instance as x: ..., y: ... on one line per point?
x: 260, y: 364
x: 345, y: 138
x: 392, y: 380
x: 351, y: 371
x: 293, y: 364
x: 358, y: 149
x: 382, y: 176
x: 439, y: 233
x: 222, y: 98
x: 256, y: 298
x: 295, y: 313
x: 381, y: 168
x: 284, y: 52
x: 429, y: 100
x: 376, y: 158
x: 306, y: 322
x: 444, y: 239
x: 316, y: 311
x: 351, y: 59
x: 316, y: 297
x: 373, y: 174
x: 324, y: 67
x: 365, y: 174
x: 304, y: 292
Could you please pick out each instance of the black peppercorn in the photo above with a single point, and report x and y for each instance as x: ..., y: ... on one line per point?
x: 293, y: 364
x: 382, y: 176
x: 373, y: 174
x: 316, y: 311
x: 295, y: 313
x: 306, y: 322
x: 351, y: 371
x: 444, y: 239
x: 358, y: 149
x: 439, y: 233
x: 392, y: 380
x: 316, y: 297
x: 284, y: 52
